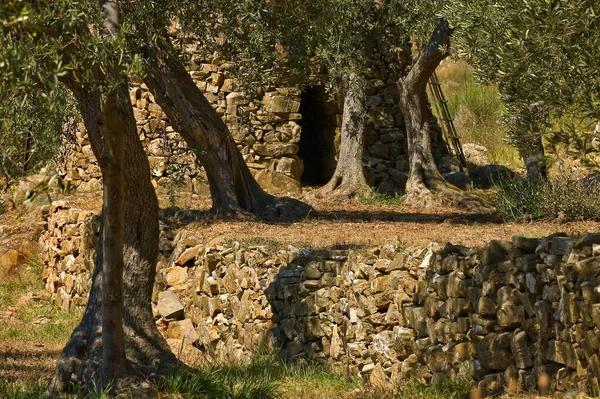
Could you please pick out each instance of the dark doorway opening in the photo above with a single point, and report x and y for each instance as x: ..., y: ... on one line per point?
x: 317, y: 142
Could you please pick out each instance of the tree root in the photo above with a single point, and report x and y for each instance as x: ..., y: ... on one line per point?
x: 340, y: 189
x: 286, y: 209
x: 444, y: 195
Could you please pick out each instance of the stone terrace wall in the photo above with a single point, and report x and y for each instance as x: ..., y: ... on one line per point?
x: 503, y: 316
x: 267, y: 131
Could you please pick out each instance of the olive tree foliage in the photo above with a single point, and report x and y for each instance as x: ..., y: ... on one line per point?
x: 31, y: 117
x: 42, y: 43
x: 541, y: 53
x: 30, y: 130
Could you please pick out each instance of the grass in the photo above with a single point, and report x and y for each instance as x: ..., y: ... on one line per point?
x: 458, y: 389
x: 476, y: 110
x: 377, y: 198
x: 265, y: 376
x: 38, y: 319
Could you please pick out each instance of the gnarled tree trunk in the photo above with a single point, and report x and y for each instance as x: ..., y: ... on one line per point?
x: 426, y: 187
x: 146, y: 350
x: 113, y: 200
x: 349, y: 178
x: 535, y: 160
x: 113, y: 187
x: 232, y: 186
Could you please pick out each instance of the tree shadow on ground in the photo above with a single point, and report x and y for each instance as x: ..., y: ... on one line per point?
x: 19, y: 365
x: 179, y: 217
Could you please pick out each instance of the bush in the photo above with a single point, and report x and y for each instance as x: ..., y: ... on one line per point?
x: 564, y: 198
x: 32, y: 126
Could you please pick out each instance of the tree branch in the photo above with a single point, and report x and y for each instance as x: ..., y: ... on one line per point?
x: 436, y: 50
x: 111, y: 12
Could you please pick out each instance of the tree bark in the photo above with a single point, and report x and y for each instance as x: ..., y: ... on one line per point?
x: 534, y: 158
x: 232, y: 186
x: 145, y: 349
x: 113, y: 179
x: 426, y: 187
x: 348, y: 179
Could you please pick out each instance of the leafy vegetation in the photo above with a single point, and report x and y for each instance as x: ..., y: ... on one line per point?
x: 542, y: 55
x: 477, y: 111
x: 31, y: 130
x: 377, y: 198
x: 563, y: 198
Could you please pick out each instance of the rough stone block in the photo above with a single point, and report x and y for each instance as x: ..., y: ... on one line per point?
x: 169, y: 306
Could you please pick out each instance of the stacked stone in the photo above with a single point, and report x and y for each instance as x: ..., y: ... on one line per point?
x: 223, y: 294
x: 520, y: 315
x: 79, y: 168
x: 67, y: 250
x: 571, y: 306
x: 264, y: 125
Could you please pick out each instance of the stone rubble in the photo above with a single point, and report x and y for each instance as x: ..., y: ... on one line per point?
x: 520, y: 315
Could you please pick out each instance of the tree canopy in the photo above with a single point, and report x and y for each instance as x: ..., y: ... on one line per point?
x: 541, y: 53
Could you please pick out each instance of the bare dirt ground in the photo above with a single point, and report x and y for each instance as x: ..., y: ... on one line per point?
x: 337, y: 224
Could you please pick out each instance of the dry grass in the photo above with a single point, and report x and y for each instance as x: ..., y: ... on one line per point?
x: 353, y: 224
x: 477, y: 111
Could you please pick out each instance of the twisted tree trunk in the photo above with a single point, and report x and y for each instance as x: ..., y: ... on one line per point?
x: 535, y: 160
x: 349, y: 178
x: 232, y: 186
x: 113, y: 183
x: 426, y: 187
x: 145, y: 349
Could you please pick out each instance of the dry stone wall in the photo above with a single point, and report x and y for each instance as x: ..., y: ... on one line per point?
x: 520, y: 315
x: 266, y: 127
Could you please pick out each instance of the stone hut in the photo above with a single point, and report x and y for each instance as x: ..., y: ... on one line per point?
x: 289, y: 137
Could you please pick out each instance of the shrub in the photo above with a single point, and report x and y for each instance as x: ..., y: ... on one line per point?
x: 563, y: 198
x: 32, y: 127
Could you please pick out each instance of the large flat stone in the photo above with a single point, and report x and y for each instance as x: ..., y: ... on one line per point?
x: 169, y: 306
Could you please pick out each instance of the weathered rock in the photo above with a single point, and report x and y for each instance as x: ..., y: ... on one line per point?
x: 9, y: 260
x: 281, y: 104
x: 188, y: 255
x: 169, y: 306
x: 183, y: 330
x: 175, y: 275
x: 277, y: 182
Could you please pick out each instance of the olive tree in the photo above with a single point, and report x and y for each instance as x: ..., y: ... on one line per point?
x: 543, y: 56
x: 233, y: 188
x: 30, y: 129
x: 46, y: 44
x: 422, y: 25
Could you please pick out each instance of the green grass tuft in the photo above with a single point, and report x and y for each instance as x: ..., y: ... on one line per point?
x: 456, y: 389
x: 16, y: 391
x: 377, y: 198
